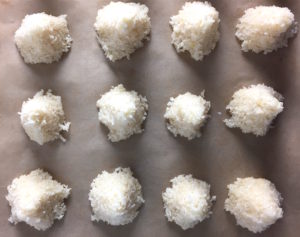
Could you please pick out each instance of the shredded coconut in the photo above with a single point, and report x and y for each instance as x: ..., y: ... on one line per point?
x: 43, y: 38
x: 266, y: 28
x: 254, y: 202
x: 122, y: 112
x: 188, y: 201
x: 186, y: 114
x: 254, y: 108
x: 121, y: 28
x: 43, y: 118
x: 37, y: 199
x: 115, y: 197
x: 195, y: 29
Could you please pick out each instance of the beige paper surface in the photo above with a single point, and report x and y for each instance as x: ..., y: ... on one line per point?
x: 158, y: 72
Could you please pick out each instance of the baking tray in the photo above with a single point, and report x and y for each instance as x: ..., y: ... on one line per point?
x: 155, y: 156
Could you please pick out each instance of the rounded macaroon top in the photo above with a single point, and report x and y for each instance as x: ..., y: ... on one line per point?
x: 115, y: 197
x: 43, y: 38
x: 266, y: 28
x: 188, y: 201
x: 188, y: 107
x: 116, y: 12
x: 196, y: 13
x: 254, y: 202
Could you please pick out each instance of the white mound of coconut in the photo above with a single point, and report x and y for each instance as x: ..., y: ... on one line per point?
x: 188, y: 201
x: 122, y: 112
x: 121, y: 28
x: 43, y: 118
x: 254, y: 202
x: 115, y: 197
x: 186, y: 114
x: 43, y: 38
x: 253, y: 109
x: 195, y: 29
x: 266, y: 28
x: 37, y: 199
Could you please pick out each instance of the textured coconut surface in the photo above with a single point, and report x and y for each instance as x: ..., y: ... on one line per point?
x: 156, y: 71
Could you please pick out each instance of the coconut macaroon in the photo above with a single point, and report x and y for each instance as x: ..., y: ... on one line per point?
x: 37, y: 199
x: 186, y: 114
x: 43, y: 118
x: 122, y: 112
x: 121, y: 28
x: 115, y: 197
x: 43, y: 38
x: 254, y: 202
x: 266, y: 28
x: 188, y: 201
x: 253, y: 109
x: 195, y: 29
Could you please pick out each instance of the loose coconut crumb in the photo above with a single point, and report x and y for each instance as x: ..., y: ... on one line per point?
x: 115, y: 197
x: 43, y: 38
x: 186, y: 114
x: 122, y: 112
x: 188, y: 201
x: 37, y: 199
x: 43, y: 118
x: 195, y: 29
x: 254, y: 202
x: 254, y: 108
x: 121, y: 28
x: 266, y: 28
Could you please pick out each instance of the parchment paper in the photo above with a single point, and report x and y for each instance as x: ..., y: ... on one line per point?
x: 158, y: 72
